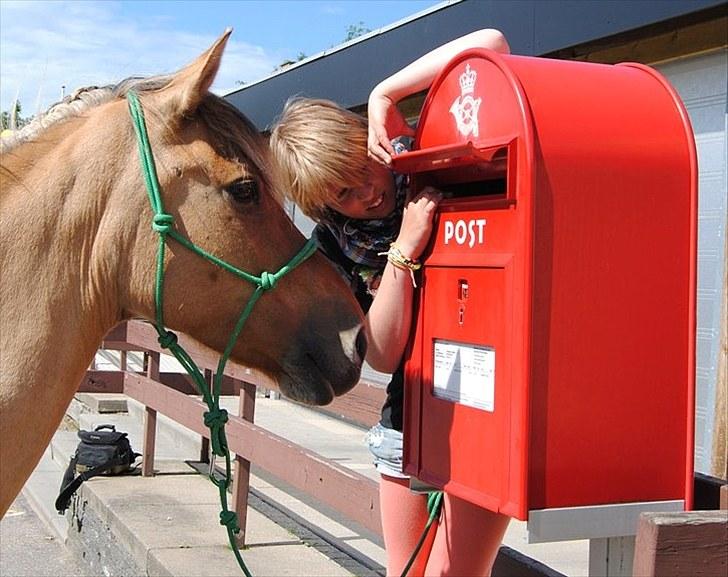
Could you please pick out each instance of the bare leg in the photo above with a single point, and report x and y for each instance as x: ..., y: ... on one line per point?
x: 467, y: 540
x: 404, y: 515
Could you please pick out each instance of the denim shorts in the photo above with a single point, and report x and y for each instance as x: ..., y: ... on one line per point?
x: 386, y: 446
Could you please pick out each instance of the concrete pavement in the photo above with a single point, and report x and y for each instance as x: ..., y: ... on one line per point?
x: 28, y: 548
x: 167, y: 525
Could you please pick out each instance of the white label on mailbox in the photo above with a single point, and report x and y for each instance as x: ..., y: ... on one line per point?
x: 464, y: 374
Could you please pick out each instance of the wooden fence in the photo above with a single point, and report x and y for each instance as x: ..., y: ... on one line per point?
x: 346, y: 491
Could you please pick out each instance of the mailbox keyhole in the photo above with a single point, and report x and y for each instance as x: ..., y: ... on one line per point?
x: 462, y: 289
x: 462, y: 297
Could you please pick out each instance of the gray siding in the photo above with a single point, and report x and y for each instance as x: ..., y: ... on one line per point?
x: 701, y: 82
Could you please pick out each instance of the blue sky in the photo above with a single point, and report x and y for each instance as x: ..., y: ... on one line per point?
x: 47, y: 44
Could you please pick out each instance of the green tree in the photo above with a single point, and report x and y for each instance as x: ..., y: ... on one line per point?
x: 6, y: 117
x: 352, y: 31
x: 355, y: 30
x: 287, y: 63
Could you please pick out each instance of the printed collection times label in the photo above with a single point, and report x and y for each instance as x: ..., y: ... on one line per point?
x: 465, y: 374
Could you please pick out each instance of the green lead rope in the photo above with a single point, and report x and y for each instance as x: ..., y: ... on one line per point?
x: 434, y: 507
x: 215, y: 417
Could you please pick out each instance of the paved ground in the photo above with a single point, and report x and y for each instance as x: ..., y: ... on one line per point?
x: 29, y: 549
x: 167, y: 525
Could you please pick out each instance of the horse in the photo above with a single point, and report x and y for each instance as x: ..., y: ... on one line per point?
x: 77, y: 253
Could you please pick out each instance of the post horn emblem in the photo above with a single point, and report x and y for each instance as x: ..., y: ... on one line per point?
x: 465, y: 107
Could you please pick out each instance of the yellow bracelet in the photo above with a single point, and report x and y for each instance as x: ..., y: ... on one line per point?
x: 398, y: 260
x: 395, y: 256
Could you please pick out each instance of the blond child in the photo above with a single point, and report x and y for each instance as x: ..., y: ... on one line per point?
x: 373, y: 229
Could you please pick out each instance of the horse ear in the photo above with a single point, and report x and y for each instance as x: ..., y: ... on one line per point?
x: 189, y: 86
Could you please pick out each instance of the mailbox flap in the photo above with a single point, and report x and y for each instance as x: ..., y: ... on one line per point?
x: 476, y: 99
x: 474, y: 137
x: 452, y: 155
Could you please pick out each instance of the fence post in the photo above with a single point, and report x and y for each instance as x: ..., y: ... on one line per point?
x: 150, y: 419
x: 204, y: 441
x: 677, y: 544
x: 241, y: 474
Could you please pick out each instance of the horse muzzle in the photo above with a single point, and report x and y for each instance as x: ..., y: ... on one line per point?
x: 316, y: 371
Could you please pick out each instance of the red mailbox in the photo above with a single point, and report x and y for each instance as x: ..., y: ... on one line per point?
x: 552, y: 361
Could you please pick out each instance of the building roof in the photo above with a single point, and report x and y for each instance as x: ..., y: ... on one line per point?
x: 347, y: 73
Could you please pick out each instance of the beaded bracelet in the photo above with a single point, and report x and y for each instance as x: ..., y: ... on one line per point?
x: 395, y: 256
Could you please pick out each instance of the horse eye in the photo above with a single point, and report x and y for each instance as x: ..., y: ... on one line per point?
x: 243, y: 191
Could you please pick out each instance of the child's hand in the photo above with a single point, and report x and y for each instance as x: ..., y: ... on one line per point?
x: 417, y: 222
x: 385, y: 123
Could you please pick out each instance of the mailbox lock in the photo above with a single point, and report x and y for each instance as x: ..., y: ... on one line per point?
x: 462, y: 289
x: 462, y: 296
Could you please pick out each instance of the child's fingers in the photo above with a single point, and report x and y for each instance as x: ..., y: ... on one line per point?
x: 379, y: 154
x: 379, y: 146
x: 429, y: 195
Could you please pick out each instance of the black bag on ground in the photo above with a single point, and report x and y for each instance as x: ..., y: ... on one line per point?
x: 100, y: 452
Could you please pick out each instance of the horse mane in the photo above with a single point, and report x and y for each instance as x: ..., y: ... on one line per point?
x: 234, y: 136
x: 72, y: 106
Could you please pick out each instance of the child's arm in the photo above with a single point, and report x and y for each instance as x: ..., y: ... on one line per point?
x: 390, y: 315
x: 385, y: 120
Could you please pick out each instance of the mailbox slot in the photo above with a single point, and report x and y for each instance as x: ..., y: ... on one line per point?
x: 465, y: 170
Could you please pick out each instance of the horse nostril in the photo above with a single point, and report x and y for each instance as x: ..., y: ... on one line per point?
x: 361, y: 344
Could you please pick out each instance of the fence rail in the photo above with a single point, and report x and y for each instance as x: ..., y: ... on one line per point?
x: 348, y: 492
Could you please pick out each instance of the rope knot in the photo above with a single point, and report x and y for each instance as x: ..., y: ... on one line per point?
x: 267, y: 280
x: 162, y: 223
x: 216, y: 418
x: 167, y: 340
x: 230, y: 520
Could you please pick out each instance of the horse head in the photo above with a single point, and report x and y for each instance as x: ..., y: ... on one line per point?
x: 77, y: 251
x: 220, y: 186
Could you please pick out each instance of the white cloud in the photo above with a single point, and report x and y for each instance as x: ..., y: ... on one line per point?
x: 46, y: 45
x: 332, y: 9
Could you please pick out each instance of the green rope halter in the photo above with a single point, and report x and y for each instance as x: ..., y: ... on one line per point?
x: 215, y: 417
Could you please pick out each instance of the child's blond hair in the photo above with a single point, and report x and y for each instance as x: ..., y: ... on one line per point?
x: 321, y: 149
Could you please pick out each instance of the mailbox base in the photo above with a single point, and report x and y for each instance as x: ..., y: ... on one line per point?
x: 596, y: 522
x: 611, y: 531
